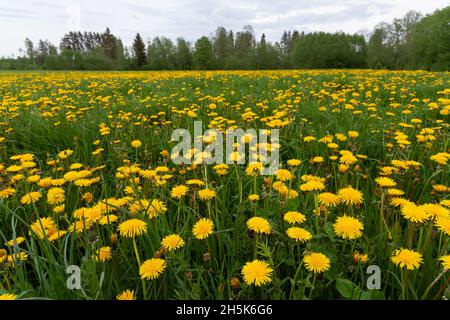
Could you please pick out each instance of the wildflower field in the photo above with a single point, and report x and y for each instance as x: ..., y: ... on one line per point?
x: 87, y: 180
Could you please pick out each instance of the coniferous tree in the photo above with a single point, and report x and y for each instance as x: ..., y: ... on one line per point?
x: 139, y: 51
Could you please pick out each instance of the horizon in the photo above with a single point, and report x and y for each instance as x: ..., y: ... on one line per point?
x: 47, y: 21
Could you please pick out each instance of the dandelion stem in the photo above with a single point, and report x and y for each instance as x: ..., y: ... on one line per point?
x: 136, y: 252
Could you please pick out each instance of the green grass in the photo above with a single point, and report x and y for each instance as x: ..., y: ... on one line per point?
x: 37, y: 118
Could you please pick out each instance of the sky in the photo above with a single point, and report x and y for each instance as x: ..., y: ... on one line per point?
x: 191, y: 19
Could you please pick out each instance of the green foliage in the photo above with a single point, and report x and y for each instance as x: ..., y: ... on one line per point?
x: 412, y: 42
x: 203, y: 55
x: 431, y: 41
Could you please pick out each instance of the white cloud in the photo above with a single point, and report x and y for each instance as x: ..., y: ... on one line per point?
x: 50, y: 19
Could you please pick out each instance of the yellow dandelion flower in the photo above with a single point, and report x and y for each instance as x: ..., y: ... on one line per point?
x: 136, y: 144
x: 18, y: 241
x: 385, y: 182
x: 156, y: 208
x: 413, y: 213
x: 445, y: 262
x: 350, y: 196
x: 203, y: 228
x: 172, y: 242
x: 395, y: 192
x: 435, y: 210
x: 294, y: 162
x: 348, y: 227
x: 132, y: 228
x: 179, y: 191
x: 55, y: 196
x: 195, y: 182
x: 328, y: 199
x: 7, y: 192
x: 316, y: 262
x: 103, y: 254
x: 257, y: 272
x: 284, y: 175
x: 259, y: 225
x: 8, y: 296
x: 126, y: 295
x: 443, y: 223
x: 312, y: 185
x: 253, y: 197
x: 293, y: 217
x: 206, y: 194
x: 407, y: 258
x: 152, y: 268
x: 299, y: 234
x: 31, y: 197
x: 360, y: 257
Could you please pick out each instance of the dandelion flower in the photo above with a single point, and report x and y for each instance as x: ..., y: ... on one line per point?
x: 179, y: 191
x: 293, y: 217
x: 443, y: 223
x: 253, y: 169
x: 206, y: 194
x: 414, y: 213
x: 328, y: 199
x: 103, y: 254
x: 126, y: 295
x: 172, y: 242
x: 7, y: 192
x: 407, y: 258
x: 132, y: 228
x: 257, y: 272
x: 55, y: 196
x: 152, y: 268
x: 435, y: 210
x: 136, y: 144
x: 299, y: 234
x: 395, y: 192
x: 350, y: 196
x: 44, y: 227
x: 445, y: 262
x: 253, y: 197
x: 8, y: 296
x: 195, y: 182
x: 156, y: 208
x: 31, y: 197
x: 385, y: 182
x: 284, y: 175
x: 316, y: 262
x: 294, y: 162
x: 312, y: 185
x: 259, y: 225
x: 360, y: 257
x: 203, y: 228
x: 18, y: 241
x: 348, y: 227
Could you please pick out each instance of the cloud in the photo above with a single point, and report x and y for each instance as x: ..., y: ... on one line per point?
x: 48, y: 19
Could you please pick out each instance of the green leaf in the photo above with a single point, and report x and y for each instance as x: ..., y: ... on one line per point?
x: 329, y: 230
x: 372, y: 295
x: 347, y: 289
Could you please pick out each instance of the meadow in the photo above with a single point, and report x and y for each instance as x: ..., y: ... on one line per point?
x: 87, y: 180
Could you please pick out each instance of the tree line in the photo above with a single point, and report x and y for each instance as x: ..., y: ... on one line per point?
x: 412, y: 42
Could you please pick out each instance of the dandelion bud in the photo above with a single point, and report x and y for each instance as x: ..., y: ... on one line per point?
x: 114, y: 239
x: 159, y: 254
x: 235, y: 283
